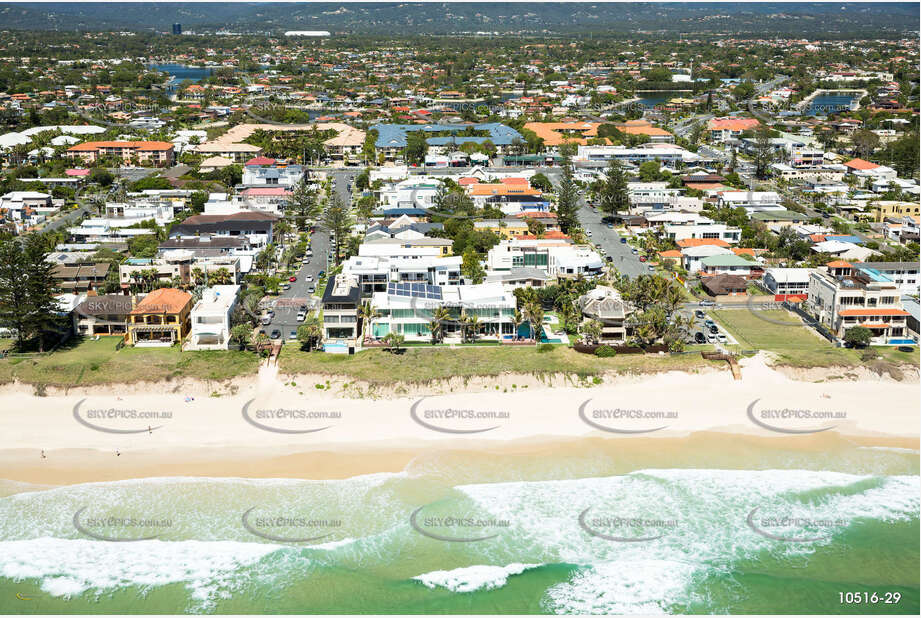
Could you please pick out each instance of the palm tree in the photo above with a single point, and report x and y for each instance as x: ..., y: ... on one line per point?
x: 442, y: 315
x: 517, y: 321
x: 221, y: 276
x: 534, y: 314
x: 367, y: 312
x: 310, y: 332
x: 472, y: 322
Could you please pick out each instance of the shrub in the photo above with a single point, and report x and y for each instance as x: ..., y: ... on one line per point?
x: 605, y: 351
x: 545, y: 347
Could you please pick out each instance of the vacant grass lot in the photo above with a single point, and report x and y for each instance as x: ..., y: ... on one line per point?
x: 795, y: 344
x: 424, y: 364
x: 89, y: 362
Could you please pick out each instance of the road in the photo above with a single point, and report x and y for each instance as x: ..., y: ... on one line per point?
x: 290, y: 301
x: 683, y: 128
x: 608, y: 239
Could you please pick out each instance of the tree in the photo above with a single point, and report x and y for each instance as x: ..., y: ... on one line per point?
x: 865, y: 142
x: 471, y: 267
x: 416, y: 147
x: 764, y: 153
x: 367, y: 312
x: 27, y: 289
x: 101, y: 176
x: 613, y: 194
x: 591, y: 331
x: 310, y: 332
x: 394, y: 341
x: 534, y: 314
x: 517, y: 321
x: 337, y: 221
x: 540, y: 181
x: 858, y: 336
x: 242, y: 334
x: 649, y: 171
x: 567, y: 199
x: 303, y: 203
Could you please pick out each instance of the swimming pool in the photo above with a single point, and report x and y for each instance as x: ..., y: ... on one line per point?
x: 902, y: 342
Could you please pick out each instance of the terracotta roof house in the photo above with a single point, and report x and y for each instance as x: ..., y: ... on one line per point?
x: 161, y: 318
x: 156, y: 153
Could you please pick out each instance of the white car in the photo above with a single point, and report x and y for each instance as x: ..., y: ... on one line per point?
x: 300, y: 316
x: 308, y: 278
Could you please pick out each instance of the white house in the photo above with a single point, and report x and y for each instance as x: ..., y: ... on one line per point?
x: 211, y: 318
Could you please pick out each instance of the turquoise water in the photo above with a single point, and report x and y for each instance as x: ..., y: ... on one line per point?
x: 181, y: 72
x: 702, y: 557
x: 829, y: 104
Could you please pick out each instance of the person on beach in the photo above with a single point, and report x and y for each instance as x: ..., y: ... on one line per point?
x: 118, y: 453
x: 43, y: 454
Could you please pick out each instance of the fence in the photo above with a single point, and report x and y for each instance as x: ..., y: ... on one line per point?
x: 811, y: 321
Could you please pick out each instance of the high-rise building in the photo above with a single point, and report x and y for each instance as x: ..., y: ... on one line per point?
x: 177, y: 28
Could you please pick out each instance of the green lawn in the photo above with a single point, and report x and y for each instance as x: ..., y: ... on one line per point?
x: 424, y: 364
x: 89, y: 362
x: 795, y: 344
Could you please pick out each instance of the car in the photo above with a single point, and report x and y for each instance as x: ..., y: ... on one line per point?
x: 634, y: 251
x: 292, y: 334
x: 292, y: 279
x: 286, y: 286
x: 300, y: 316
x: 708, y: 322
x: 275, y: 334
x: 312, y: 289
x: 306, y: 261
x: 699, y: 314
x: 699, y: 337
x: 722, y: 338
x: 266, y: 320
x: 642, y: 258
x: 588, y: 232
x: 714, y: 329
x: 610, y: 226
x: 608, y: 258
x: 321, y: 273
x: 623, y: 239
x: 308, y: 278
x: 707, y: 303
x: 711, y: 338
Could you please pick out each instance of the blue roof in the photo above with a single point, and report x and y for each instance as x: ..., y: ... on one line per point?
x: 844, y: 238
x: 394, y: 135
x: 404, y: 211
x: 875, y: 275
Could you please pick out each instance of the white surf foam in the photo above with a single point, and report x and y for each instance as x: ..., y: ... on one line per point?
x: 472, y: 578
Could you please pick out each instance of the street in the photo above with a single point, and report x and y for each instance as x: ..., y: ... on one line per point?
x: 620, y: 253
x: 289, y: 303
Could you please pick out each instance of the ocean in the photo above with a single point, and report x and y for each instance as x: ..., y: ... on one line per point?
x: 591, y: 530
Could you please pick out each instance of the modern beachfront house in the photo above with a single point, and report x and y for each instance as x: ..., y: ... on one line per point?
x: 341, y: 328
x: 211, y: 317
x: 409, y: 308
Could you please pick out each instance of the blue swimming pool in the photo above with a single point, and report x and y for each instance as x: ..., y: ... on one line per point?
x: 902, y: 342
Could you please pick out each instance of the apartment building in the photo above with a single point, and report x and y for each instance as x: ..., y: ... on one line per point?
x: 723, y: 129
x: 719, y: 231
x: 843, y: 296
x: 374, y: 273
x: 785, y: 283
x: 161, y: 154
x: 558, y: 258
x: 256, y: 226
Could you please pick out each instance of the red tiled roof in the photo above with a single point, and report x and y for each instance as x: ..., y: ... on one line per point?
x: 260, y: 161
x: 860, y: 164
x: 163, y: 300
x: 872, y: 312
x: 839, y: 264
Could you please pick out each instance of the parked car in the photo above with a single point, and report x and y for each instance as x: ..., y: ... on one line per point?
x: 312, y: 289
x: 711, y: 338
x: 610, y: 226
x: 588, y: 233
x: 708, y: 323
x: 608, y: 258
x: 623, y: 239
x: 714, y: 330
x: 275, y: 334
x: 634, y: 251
x: 700, y: 315
x: 286, y: 286
x: 308, y: 278
x: 300, y: 316
x: 642, y: 258
x: 707, y: 303
x: 292, y: 334
x: 266, y: 320
x: 699, y: 337
x: 292, y: 279
x: 722, y: 338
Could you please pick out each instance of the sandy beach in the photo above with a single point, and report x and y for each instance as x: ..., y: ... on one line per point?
x: 273, y: 429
